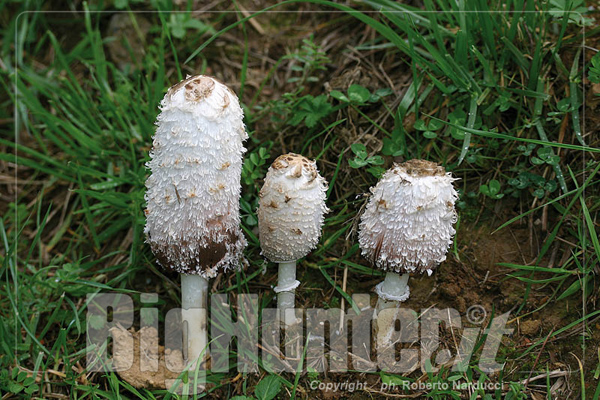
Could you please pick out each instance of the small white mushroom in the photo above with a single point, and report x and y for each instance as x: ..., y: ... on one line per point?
x: 408, y: 225
x: 290, y: 216
x: 193, y: 192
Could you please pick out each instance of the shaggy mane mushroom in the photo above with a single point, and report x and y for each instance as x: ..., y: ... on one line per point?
x: 407, y: 226
x: 193, y: 192
x: 290, y: 216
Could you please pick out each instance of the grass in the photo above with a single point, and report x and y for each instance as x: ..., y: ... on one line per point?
x: 493, y: 92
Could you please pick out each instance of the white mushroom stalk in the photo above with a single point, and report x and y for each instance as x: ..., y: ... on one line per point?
x: 290, y: 216
x: 193, y: 192
x: 407, y: 226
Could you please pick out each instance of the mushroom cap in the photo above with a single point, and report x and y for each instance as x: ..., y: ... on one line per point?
x: 291, y: 208
x: 407, y: 224
x: 193, y: 192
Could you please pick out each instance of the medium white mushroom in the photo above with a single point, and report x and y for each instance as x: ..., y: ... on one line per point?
x: 408, y: 225
x: 290, y: 216
x: 193, y: 192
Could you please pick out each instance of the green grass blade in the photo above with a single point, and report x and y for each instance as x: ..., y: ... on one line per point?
x: 470, y: 123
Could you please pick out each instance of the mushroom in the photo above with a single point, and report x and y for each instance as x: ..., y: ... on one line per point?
x: 407, y: 225
x: 193, y: 192
x: 291, y: 210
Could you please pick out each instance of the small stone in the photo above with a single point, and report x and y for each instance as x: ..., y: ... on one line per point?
x: 148, y: 368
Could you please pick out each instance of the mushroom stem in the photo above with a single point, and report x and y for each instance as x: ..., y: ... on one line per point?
x: 393, y: 290
x: 194, y: 289
x: 285, y: 289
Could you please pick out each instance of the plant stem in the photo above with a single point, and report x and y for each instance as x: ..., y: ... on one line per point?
x: 393, y: 290
x: 194, y: 289
x: 286, y: 296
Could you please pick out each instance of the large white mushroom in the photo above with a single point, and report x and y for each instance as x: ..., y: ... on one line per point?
x: 290, y: 216
x: 193, y: 192
x: 408, y: 225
